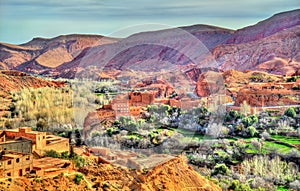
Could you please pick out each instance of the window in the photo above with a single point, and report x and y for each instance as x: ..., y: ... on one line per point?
x: 9, y: 174
x: 9, y: 162
x: 17, y: 160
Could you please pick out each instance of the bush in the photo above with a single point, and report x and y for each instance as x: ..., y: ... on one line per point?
x: 78, y: 178
x: 79, y: 161
x: 237, y: 186
x: 220, y: 169
x: 253, y: 132
x: 295, y: 185
x: 52, y: 153
x: 290, y: 112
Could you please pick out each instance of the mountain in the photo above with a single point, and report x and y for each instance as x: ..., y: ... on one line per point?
x: 42, y: 53
x: 278, y: 53
x: 158, y: 49
x: 271, y: 45
x: 265, y: 28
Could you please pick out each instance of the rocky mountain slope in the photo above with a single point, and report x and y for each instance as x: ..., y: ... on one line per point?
x: 14, y: 81
x: 271, y: 45
x: 278, y: 53
x: 158, y: 49
x: 42, y: 53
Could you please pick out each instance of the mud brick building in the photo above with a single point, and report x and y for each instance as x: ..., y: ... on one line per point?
x: 40, y: 140
x: 14, y: 164
x: 51, y: 166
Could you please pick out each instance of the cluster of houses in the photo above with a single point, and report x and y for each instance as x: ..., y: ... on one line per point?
x: 21, y: 152
x: 269, y: 94
x: 132, y: 103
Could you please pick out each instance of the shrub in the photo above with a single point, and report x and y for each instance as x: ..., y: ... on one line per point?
x: 237, y: 186
x: 290, y: 112
x: 265, y: 135
x: 220, y: 169
x: 295, y: 185
x: 253, y: 132
x: 78, y: 178
x: 79, y: 161
x: 52, y: 153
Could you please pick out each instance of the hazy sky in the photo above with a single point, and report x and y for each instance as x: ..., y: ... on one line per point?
x: 21, y: 20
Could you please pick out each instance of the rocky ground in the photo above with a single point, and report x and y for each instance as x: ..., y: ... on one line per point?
x: 174, y: 174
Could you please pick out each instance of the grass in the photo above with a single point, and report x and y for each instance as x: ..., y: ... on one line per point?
x: 285, y: 139
x: 134, y: 136
x: 281, y: 188
x: 193, y: 135
x: 281, y: 148
x: 266, y: 147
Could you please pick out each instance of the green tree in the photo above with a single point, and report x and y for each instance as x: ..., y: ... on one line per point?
x: 253, y: 132
x: 52, y: 153
x: 78, y: 178
x: 290, y: 112
x: 220, y: 169
x: 79, y: 161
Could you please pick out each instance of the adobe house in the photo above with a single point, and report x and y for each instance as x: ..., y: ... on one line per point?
x: 102, y: 151
x: 40, y: 140
x: 18, y: 145
x: 51, y: 166
x: 121, y: 106
x: 141, y: 98
x: 14, y: 164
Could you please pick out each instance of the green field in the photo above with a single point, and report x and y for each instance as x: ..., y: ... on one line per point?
x: 285, y: 139
x: 193, y: 135
x: 281, y: 188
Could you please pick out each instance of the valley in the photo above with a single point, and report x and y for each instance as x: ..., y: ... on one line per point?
x: 197, y: 107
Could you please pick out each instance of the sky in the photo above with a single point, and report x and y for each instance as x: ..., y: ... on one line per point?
x: 22, y: 20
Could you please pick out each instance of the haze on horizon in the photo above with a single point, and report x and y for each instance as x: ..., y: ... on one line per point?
x: 20, y: 20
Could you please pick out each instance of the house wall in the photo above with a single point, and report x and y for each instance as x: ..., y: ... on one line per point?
x: 37, y: 138
x: 135, y: 111
x: 24, y: 146
x: 15, y: 167
x: 59, y: 146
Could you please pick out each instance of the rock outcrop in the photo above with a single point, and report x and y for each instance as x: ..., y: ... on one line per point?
x: 210, y: 83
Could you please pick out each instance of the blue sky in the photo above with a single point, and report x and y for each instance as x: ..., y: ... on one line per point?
x: 21, y: 20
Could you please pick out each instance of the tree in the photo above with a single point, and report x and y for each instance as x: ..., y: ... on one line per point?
x: 250, y: 120
x: 245, y: 109
x: 253, y: 132
x: 220, y: 169
x: 42, y: 125
x: 52, y: 153
x: 290, y: 112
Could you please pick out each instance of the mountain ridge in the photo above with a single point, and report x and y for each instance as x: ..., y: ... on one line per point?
x: 200, y: 45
